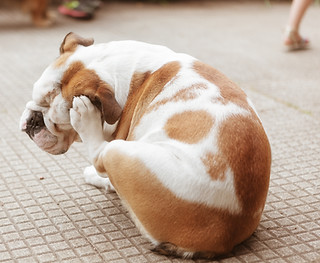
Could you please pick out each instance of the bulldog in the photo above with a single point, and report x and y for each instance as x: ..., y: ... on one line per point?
x: 180, y: 143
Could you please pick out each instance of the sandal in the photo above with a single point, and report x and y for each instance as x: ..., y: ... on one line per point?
x: 79, y: 9
x: 293, y: 41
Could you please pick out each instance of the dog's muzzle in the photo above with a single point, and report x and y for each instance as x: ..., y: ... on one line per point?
x: 34, y: 124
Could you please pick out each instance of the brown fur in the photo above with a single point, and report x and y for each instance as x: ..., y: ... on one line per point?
x: 242, y: 141
x: 141, y: 96
x: 72, y: 40
x: 245, y: 146
x: 216, y: 166
x: 69, y: 45
x: 230, y: 92
x: 185, y: 94
x: 78, y: 80
x: 135, y: 93
x: 189, y: 126
x: 189, y: 226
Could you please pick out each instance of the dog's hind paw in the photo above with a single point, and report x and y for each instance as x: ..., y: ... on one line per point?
x: 92, y: 177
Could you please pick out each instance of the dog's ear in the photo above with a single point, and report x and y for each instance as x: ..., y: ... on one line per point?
x: 105, y: 100
x: 72, y: 40
x: 79, y: 81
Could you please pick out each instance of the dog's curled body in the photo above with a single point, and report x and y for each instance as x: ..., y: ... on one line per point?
x: 181, y: 144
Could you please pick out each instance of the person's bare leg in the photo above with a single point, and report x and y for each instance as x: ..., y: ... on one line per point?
x: 297, y: 11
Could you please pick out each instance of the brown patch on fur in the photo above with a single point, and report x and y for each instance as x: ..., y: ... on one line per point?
x: 78, y: 80
x: 189, y: 226
x: 185, y: 94
x: 189, y: 126
x: 189, y: 93
x: 141, y: 96
x: 136, y: 89
x: 229, y: 91
x: 245, y: 146
x: 216, y: 166
x: 137, y: 80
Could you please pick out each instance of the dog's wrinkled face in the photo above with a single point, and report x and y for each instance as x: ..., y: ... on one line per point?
x: 46, y: 118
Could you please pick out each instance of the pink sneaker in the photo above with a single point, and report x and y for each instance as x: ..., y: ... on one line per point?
x: 79, y: 9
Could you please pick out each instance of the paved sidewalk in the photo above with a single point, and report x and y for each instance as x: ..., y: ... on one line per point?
x: 49, y: 214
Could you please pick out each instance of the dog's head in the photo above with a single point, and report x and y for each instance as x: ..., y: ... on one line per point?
x: 46, y: 118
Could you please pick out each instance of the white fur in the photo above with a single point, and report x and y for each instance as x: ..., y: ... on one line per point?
x: 91, y: 176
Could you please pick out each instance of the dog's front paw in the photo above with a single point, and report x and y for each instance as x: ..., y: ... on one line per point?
x: 86, y: 120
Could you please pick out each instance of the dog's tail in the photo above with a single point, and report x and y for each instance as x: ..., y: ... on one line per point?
x: 169, y: 249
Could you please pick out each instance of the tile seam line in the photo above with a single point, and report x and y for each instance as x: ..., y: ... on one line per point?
x: 28, y: 214
x: 2, y: 240
x: 63, y: 233
x: 285, y: 103
x: 80, y: 230
x: 20, y: 233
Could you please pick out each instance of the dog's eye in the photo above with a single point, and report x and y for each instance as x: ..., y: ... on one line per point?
x: 50, y: 96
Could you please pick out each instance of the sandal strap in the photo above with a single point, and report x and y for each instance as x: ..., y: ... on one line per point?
x: 297, y: 41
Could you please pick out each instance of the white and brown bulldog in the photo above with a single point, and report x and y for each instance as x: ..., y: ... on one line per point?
x: 181, y: 144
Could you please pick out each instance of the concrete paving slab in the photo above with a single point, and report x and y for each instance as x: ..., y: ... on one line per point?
x: 49, y: 214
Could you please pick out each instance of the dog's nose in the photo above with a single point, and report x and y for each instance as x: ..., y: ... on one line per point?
x: 35, y: 123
